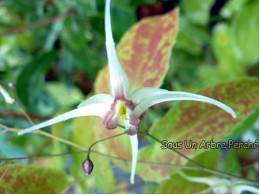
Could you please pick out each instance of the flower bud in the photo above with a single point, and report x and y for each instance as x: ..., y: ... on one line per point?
x: 87, y: 166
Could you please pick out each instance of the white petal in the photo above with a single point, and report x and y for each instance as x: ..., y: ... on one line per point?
x: 99, y: 109
x: 6, y: 96
x: 147, y: 97
x: 134, y: 145
x: 99, y: 98
x: 118, y: 79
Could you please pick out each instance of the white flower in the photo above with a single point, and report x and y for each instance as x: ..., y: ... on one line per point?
x: 123, y: 108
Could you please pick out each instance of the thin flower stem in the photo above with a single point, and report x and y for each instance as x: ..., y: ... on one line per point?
x: 48, y: 135
x: 6, y: 114
x: 179, y: 153
x: 62, y: 140
x: 164, y: 165
x: 23, y: 111
x: 58, y: 139
x: 88, y: 153
x: 42, y: 132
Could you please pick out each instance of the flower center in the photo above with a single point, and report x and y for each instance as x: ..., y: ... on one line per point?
x: 121, y: 109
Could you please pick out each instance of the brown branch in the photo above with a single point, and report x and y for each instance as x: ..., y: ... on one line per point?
x: 5, y: 114
x: 70, y: 12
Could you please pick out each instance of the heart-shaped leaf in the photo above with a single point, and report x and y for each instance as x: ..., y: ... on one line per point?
x: 27, y: 179
x: 199, y: 121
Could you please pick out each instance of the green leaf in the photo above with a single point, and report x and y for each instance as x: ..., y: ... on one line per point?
x: 19, y: 6
x: 150, y: 188
x: 86, y: 8
x: 197, y: 10
x: 200, y: 121
x: 246, y: 32
x: 231, y: 163
x: 85, y: 134
x: 63, y: 96
x: 245, y: 125
x: 190, y: 38
x: 59, y: 130
x: 30, y: 81
x: 104, y: 175
x: 27, y: 179
x: 225, y: 50
x: 231, y: 7
x: 74, y: 32
x: 9, y: 150
x: 123, y: 17
x: 178, y: 185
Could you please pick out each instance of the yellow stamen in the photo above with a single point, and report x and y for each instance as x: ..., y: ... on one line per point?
x: 121, y: 109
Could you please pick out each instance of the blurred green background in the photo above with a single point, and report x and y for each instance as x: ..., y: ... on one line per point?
x: 52, y: 51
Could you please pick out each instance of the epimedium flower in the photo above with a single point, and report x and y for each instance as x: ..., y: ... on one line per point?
x: 122, y: 108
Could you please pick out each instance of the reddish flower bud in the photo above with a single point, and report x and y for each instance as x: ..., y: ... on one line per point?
x: 87, y: 166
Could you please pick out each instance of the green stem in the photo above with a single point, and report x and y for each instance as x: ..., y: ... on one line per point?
x: 88, y: 153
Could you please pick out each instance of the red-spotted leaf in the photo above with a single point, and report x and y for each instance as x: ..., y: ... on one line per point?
x: 196, y: 121
x: 27, y: 179
x: 144, y: 52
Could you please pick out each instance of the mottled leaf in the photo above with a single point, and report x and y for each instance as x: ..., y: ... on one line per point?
x: 144, y: 52
x: 199, y: 121
x: 27, y: 179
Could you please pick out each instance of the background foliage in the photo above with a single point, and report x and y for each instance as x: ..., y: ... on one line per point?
x: 53, y: 50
